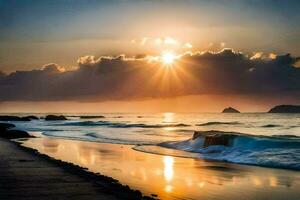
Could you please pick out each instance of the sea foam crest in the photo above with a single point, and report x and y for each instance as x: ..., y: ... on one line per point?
x: 270, y: 151
x: 122, y: 124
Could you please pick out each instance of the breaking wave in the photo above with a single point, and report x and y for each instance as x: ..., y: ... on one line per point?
x: 122, y: 125
x: 271, y: 126
x: 281, y: 151
x: 218, y: 123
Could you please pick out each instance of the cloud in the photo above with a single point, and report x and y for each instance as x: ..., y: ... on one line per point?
x: 55, y: 68
x: 163, y: 42
x: 188, y: 45
x: 257, y: 55
x: 216, y: 46
x: 122, y: 78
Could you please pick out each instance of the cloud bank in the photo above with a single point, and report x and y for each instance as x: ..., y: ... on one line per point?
x: 121, y: 78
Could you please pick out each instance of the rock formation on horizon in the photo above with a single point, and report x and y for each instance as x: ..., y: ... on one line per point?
x: 230, y: 110
x: 285, y: 109
x: 55, y: 117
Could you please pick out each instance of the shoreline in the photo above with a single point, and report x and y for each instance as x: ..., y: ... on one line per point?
x: 108, y: 187
x: 171, y: 177
x: 116, y: 168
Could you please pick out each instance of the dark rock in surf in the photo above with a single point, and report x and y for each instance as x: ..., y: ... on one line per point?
x: 14, y: 134
x: 55, y: 117
x: 6, y: 126
x: 7, y: 133
x: 10, y: 118
x: 32, y: 117
x: 230, y: 110
x: 285, y: 109
x: 214, y: 138
x: 16, y: 118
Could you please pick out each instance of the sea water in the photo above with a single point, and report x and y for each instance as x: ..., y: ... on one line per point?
x: 263, y: 139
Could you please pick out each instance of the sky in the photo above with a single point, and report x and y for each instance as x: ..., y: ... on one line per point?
x: 142, y: 54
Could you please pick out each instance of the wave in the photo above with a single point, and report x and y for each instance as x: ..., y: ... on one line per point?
x: 116, y: 140
x: 271, y: 126
x: 286, y: 136
x: 282, y: 151
x: 122, y: 125
x: 93, y: 135
x: 218, y: 123
x: 91, y: 117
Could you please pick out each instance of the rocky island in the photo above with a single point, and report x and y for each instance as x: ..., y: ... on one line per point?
x: 285, y: 109
x: 230, y: 110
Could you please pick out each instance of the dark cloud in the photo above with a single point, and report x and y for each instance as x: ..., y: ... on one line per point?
x: 121, y: 78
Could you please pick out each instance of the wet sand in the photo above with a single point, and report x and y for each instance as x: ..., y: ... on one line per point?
x: 173, y: 177
x: 25, y: 174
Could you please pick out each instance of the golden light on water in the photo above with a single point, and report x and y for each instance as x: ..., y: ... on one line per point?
x: 168, y: 117
x: 168, y: 188
x: 169, y: 177
x: 168, y: 168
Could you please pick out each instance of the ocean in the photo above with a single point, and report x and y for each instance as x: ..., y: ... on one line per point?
x: 262, y: 139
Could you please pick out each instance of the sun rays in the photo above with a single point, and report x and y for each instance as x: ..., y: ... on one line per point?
x: 168, y: 58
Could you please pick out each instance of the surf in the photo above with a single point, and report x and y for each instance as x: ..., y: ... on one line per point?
x: 281, y: 151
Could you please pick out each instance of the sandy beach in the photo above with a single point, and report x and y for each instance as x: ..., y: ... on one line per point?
x: 173, y: 177
x: 25, y: 174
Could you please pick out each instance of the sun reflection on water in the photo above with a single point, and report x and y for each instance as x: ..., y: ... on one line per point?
x: 168, y: 117
x: 273, y: 181
x: 168, y: 168
x: 168, y: 188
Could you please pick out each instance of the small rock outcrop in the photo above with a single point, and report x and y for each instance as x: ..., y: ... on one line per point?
x: 32, y: 117
x: 16, y: 118
x: 230, y: 110
x: 212, y: 138
x: 8, y: 133
x: 6, y: 126
x: 55, y: 117
x: 285, y: 109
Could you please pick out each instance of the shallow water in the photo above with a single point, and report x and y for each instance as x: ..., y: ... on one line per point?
x: 173, y: 178
x: 281, y: 148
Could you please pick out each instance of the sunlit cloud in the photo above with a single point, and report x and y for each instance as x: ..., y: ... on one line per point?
x: 144, y: 40
x: 262, y: 55
x: 87, y: 60
x: 257, y: 55
x: 162, y: 43
x: 158, y: 41
x: 216, y: 46
x: 170, y: 41
x: 53, y: 67
x: 272, y: 56
x: 188, y: 45
x: 140, y: 41
x: 156, y: 76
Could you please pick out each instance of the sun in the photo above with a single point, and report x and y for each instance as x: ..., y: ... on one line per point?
x: 168, y: 58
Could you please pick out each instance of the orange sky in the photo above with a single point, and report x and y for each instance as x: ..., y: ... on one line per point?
x: 56, y: 54
x: 198, y: 103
